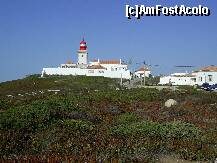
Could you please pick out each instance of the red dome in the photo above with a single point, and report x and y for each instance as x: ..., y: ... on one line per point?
x: 83, y: 45
x: 83, y: 42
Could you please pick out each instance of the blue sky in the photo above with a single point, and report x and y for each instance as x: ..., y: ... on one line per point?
x: 42, y: 33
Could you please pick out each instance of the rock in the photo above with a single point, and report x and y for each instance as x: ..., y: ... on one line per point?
x: 170, y: 102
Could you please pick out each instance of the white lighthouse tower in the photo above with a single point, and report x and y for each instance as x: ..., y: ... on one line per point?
x: 82, y: 55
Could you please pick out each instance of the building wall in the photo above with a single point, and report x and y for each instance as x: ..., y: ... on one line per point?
x: 200, y: 78
x: 140, y: 74
x: 204, y: 77
x: 177, y: 80
x: 87, y: 72
x: 182, y: 81
x: 68, y: 65
x: 111, y: 67
x: 165, y: 80
x: 114, y: 67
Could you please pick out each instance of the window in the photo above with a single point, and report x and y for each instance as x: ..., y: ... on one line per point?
x: 210, y: 78
x: 90, y: 71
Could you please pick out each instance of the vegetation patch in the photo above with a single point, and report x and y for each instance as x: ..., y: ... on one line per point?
x: 87, y: 118
x: 177, y: 130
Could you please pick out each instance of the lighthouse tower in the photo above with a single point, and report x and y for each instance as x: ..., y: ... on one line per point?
x: 82, y: 55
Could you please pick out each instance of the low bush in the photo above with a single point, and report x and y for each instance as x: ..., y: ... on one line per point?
x: 177, y: 130
x: 127, y: 118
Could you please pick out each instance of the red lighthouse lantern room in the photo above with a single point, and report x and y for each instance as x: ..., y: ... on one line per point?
x: 83, y: 45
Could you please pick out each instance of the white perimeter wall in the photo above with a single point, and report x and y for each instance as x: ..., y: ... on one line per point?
x: 182, y: 81
x: 175, y: 80
x: 125, y: 74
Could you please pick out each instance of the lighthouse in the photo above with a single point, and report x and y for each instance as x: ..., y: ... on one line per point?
x: 103, y: 68
x: 82, y: 55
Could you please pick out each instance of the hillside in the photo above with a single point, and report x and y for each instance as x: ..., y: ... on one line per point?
x: 33, y: 87
x: 64, y: 83
x: 87, y: 118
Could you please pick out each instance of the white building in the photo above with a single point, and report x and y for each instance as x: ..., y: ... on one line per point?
x: 141, y: 71
x: 105, y: 68
x: 204, y: 75
x: 207, y: 75
x: 178, y: 79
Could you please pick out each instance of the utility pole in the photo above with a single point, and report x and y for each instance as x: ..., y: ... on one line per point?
x: 143, y: 83
x: 144, y: 66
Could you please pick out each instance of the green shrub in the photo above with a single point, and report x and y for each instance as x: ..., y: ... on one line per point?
x: 24, y: 117
x: 76, y: 125
x: 4, y: 104
x: 176, y: 130
x: 128, y: 118
x: 180, y: 129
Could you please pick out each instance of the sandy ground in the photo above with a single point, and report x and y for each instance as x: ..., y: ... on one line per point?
x: 170, y: 159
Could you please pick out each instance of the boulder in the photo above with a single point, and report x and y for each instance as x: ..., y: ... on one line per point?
x: 170, y: 102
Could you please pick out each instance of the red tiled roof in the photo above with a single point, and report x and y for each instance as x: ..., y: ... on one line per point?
x: 96, y: 67
x: 142, y: 69
x: 186, y: 75
x: 209, y: 68
x: 107, y: 61
x: 110, y: 62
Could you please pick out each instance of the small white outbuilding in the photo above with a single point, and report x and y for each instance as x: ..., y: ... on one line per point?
x: 141, y: 71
